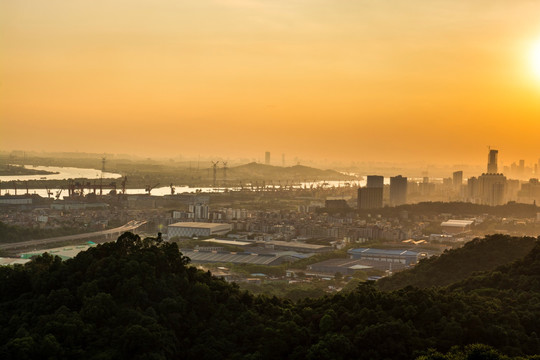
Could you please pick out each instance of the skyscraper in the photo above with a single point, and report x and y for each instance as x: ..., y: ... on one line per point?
x: 492, y: 162
x: 267, y: 158
x: 398, y: 190
x: 371, y: 196
x: 492, y: 189
x: 457, y: 180
x: 375, y: 181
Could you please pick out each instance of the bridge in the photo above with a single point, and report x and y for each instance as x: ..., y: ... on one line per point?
x: 108, y: 234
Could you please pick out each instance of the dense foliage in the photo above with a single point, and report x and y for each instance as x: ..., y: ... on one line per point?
x: 458, y: 264
x: 138, y: 299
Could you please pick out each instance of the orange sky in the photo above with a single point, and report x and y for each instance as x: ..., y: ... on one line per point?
x: 362, y: 80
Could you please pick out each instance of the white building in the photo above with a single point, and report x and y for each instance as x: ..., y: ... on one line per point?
x: 189, y: 229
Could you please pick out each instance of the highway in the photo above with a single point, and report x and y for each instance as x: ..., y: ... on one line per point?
x: 132, y: 225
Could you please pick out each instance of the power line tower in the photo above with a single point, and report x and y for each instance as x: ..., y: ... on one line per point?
x: 225, y: 172
x: 102, y: 171
x: 214, y: 166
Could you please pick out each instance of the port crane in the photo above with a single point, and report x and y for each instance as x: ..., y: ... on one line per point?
x: 149, y: 188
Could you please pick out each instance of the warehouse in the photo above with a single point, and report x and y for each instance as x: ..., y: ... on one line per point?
x: 191, y: 229
x: 456, y: 226
x: 406, y: 257
x: 240, y: 258
x: 343, y: 266
x: 296, y: 246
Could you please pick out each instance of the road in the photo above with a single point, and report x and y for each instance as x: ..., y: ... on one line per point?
x: 132, y: 225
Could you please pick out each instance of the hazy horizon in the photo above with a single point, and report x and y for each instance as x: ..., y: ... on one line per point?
x: 367, y: 81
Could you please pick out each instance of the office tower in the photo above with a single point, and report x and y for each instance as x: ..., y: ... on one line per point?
x: 371, y: 196
x: 472, y: 189
x: 492, y: 161
x: 267, y: 158
x: 457, y: 180
x: 375, y: 181
x: 283, y: 160
x: 492, y: 189
x: 398, y: 190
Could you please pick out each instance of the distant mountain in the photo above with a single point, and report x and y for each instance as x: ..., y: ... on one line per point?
x: 458, y: 264
x: 257, y: 171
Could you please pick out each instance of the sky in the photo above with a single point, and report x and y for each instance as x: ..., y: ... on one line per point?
x: 355, y: 80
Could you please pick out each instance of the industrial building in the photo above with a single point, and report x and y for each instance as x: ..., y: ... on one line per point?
x: 296, y: 246
x: 456, y: 226
x: 240, y: 258
x: 190, y: 229
x: 343, y: 266
x: 406, y: 257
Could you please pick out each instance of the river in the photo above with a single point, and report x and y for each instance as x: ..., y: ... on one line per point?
x: 64, y: 173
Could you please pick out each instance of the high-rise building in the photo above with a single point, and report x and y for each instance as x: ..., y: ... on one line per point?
x: 371, y: 196
x: 398, y: 190
x: 375, y: 181
x: 472, y: 189
x: 492, y: 189
x: 457, y: 180
x: 267, y: 158
x: 492, y: 162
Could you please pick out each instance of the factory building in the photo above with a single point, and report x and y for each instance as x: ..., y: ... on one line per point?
x: 456, y: 226
x: 405, y: 257
x: 189, y: 229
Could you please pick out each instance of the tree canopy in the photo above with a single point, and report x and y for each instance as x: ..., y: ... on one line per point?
x: 139, y: 299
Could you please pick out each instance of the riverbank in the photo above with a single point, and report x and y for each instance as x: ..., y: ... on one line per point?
x: 17, y: 170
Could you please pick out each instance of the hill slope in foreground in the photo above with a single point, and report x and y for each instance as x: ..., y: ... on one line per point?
x: 481, y: 254
x: 139, y: 299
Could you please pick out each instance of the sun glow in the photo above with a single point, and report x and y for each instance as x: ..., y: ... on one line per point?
x: 535, y: 59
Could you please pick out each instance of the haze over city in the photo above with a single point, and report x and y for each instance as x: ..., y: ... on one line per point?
x: 401, y: 81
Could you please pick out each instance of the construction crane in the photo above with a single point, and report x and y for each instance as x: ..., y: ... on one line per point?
x: 149, y: 188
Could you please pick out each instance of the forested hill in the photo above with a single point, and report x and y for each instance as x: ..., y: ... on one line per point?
x: 481, y: 254
x: 522, y: 276
x: 256, y: 171
x: 139, y: 299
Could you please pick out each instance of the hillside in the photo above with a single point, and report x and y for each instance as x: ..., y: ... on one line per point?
x: 256, y: 171
x: 455, y: 265
x: 139, y: 299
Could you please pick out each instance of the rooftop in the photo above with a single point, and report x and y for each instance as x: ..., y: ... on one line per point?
x: 297, y: 244
x: 197, y: 225
x: 387, y: 252
x: 457, y: 223
x: 228, y: 242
